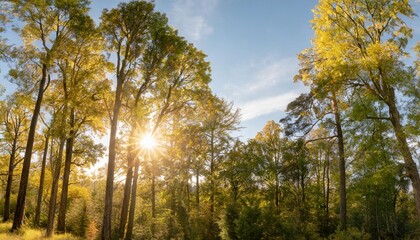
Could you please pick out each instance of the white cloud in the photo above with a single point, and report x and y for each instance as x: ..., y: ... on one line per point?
x: 190, y: 17
x: 263, y: 106
x: 273, y: 73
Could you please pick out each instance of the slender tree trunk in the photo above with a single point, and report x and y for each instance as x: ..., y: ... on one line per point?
x: 153, y: 196
x: 212, y: 177
x: 394, y: 216
x: 20, y: 205
x: 377, y: 220
x: 302, y: 185
x: 126, y: 201
x: 410, y: 165
x: 61, y: 221
x: 153, y: 204
x: 61, y: 224
x: 6, y: 214
x: 128, y: 180
x: 54, y: 190
x: 41, y: 183
x: 277, y: 192
x: 197, y: 188
x: 109, y: 191
x: 187, y: 182
x: 129, y: 234
x: 342, y: 166
x: 328, y: 192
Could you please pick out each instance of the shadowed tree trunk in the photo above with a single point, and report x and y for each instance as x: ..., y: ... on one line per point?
x: 153, y: 204
x: 212, y: 172
x: 6, y: 215
x: 41, y: 182
x: 109, y: 191
x: 342, y: 165
x: 197, y: 188
x: 126, y: 200
x: 61, y: 224
x: 410, y: 165
x: 20, y: 205
x: 129, y: 234
x: 128, y: 181
x: 54, y: 190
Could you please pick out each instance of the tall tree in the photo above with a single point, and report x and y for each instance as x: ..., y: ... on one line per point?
x: 16, y: 123
x: 150, y: 64
x: 82, y: 69
x: 366, y: 41
x: 42, y: 179
x: 221, y: 119
x: 310, y: 110
x: 183, y: 75
x: 126, y: 31
x: 47, y: 23
x: 270, y: 148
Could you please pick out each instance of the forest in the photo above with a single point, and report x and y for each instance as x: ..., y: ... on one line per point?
x: 341, y: 164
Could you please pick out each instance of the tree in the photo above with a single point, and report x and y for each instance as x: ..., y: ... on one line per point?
x: 82, y: 69
x: 155, y: 53
x: 270, y: 149
x: 126, y: 31
x: 365, y: 41
x: 221, y: 119
x: 42, y: 20
x: 15, y: 121
x: 42, y: 179
x: 178, y: 74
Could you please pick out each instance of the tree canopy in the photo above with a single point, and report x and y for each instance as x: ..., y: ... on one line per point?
x: 340, y: 164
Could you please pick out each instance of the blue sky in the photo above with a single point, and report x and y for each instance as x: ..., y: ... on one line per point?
x: 252, y: 46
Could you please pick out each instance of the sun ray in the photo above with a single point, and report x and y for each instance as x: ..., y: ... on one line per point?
x: 148, y: 142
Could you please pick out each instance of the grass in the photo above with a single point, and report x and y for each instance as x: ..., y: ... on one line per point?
x: 27, y: 233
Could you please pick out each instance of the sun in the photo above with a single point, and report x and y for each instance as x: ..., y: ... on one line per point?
x: 148, y: 142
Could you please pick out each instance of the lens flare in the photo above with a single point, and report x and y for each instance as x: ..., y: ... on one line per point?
x: 148, y: 142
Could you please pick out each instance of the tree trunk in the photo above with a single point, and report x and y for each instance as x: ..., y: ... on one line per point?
x: 212, y: 177
x: 153, y: 204
x: 41, y: 183
x: 327, y: 205
x: 128, y: 180
x: 197, y: 188
x: 126, y: 201
x: 61, y: 224
x: 277, y: 192
x: 20, y: 205
x: 410, y: 165
x: 342, y: 166
x: 6, y: 214
x: 302, y: 186
x: 129, y: 234
x: 109, y: 191
x: 54, y: 190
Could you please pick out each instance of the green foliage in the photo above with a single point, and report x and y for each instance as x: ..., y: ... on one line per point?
x: 352, y: 233
x: 282, y: 184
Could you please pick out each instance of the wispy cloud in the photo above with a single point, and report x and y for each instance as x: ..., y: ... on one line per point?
x: 273, y: 73
x: 263, y: 106
x: 266, y: 86
x: 190, y: 17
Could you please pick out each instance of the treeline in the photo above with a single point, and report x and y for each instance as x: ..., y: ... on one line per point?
x: 341, y: 163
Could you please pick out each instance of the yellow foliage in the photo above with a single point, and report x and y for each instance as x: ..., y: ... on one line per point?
x: 79, y: 192
x: 29, y: 234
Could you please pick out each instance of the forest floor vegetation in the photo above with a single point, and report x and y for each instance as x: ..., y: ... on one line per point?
x: 27, y: 233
